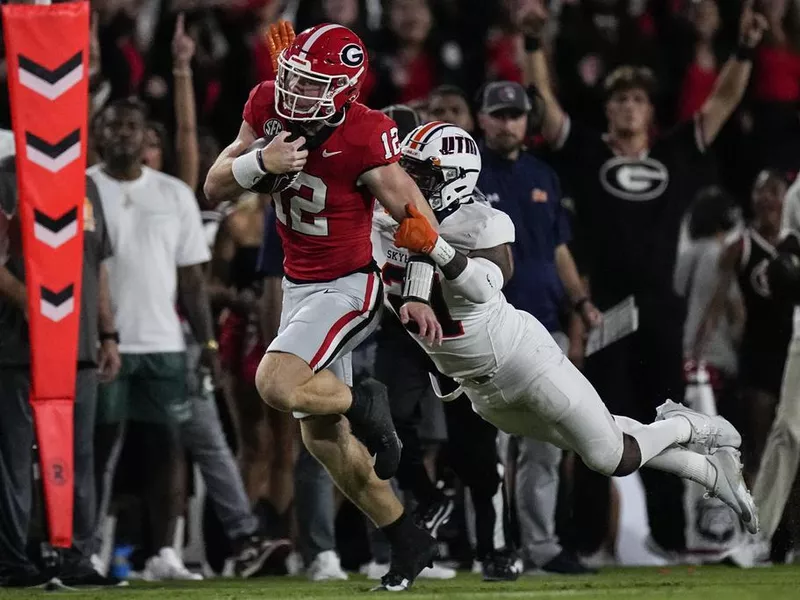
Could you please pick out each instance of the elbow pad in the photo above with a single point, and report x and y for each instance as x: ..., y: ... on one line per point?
x: 479, y: 282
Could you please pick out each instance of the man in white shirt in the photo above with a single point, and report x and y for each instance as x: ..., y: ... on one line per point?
x: 159, y: 248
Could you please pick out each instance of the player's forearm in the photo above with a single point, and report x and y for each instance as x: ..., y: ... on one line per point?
x: 395, y: 190
x: 455, y: 267
x: 477, y: 279
x: 105, y: 314
x: 728, y: 93
x: 537, y: 73
x: 221, y: 184
x: 569, y: 276
x: 186, y: 136
x: 193, y: 298
x: 13, y: 288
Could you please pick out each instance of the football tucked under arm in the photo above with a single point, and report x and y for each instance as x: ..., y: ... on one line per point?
x: 268, y: 183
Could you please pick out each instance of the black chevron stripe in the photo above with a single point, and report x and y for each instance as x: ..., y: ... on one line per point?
x: 55, y: 225
x: 57, y: 298
x: 53, y: 150
x: 50, y: 76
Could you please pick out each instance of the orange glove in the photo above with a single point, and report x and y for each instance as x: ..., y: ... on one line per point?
x: 280, y: 37
x: 415, y: 232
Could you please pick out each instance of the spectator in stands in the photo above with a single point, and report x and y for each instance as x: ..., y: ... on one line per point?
x: 632, y: 226
x: 267, y: 436
x: 701, y: 72
x: 768, y: 325
x: 157, y: 237
x: 410, y: 59
x: 776, y: 89
x: 449, y: 103
x: 713, y: 217
x: 96, y: 324
x: 774, y: 491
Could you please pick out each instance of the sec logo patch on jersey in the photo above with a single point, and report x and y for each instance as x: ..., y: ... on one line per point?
x: 634, y: 179
x: 272, y: 127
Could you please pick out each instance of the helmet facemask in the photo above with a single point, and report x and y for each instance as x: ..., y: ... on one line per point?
x: 305, y: 96
x: 432, y: 179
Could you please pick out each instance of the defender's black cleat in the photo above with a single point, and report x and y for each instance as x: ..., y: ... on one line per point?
x: 371, y: 422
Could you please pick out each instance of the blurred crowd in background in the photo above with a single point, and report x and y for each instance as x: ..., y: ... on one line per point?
x: 191, y: 65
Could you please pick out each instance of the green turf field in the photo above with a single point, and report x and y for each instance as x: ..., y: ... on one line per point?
x: 676, y: 583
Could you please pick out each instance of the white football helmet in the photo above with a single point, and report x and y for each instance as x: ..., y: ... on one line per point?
x: 444, y: 162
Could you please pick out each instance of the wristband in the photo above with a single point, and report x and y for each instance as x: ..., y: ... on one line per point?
x: 442, y: 252
x: 111, y: 335
x: 744, y: 53
x: 260, y: 159
x: 246, y: 169
x: 532, y: 44
x: 418, y: 281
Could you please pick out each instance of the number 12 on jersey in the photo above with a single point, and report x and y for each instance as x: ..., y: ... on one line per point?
x: 391, y: 142
x: 298, y: 206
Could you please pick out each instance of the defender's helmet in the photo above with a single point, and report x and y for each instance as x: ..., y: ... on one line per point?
x: 444, y: 162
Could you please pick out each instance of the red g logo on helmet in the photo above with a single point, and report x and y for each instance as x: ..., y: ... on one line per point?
x: 320, y: 73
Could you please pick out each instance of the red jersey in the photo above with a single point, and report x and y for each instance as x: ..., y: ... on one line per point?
x: 325, y: 218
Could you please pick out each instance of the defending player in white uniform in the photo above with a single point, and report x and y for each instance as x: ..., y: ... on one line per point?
x: 503, y: 359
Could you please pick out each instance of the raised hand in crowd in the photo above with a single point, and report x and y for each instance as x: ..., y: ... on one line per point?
x: 752, y: 26
x: 186, y: 143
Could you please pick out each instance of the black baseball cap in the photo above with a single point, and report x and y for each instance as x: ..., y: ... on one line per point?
x: 504, y: 95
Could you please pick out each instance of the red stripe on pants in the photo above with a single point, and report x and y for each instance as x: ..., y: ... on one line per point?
x: 343, y: 320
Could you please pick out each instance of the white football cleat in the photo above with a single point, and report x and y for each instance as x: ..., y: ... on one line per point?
x: 731, y: 488
x: 751, y: 552
x: 708, y: 433
x: 168, y: 566
x: 326, y: 567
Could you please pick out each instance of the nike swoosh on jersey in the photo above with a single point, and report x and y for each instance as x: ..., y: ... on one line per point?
x: 326, y: 154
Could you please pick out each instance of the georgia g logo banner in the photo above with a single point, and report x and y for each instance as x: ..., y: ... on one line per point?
x: 47, y: 49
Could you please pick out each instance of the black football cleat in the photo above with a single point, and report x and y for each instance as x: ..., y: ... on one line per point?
x: 500, y: 565
x: 567, y: 563
x: 409, y: 558
x: 372, y: 424
x: 256, y: 555
x: 434, y: 515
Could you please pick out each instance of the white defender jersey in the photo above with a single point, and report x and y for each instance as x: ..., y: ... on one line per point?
x: 476, y: 336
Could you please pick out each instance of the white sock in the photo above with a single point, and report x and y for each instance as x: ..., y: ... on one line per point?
x: 686, y: 465
x: 655, y: 437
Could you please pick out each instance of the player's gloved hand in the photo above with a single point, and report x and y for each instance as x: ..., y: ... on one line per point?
x: 280, y: 156
x: 279, y: 37
x: 416, y: 232
x: 423, y: 316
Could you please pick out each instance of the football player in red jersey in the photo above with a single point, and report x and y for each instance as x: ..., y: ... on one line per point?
x: 344, y: 156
